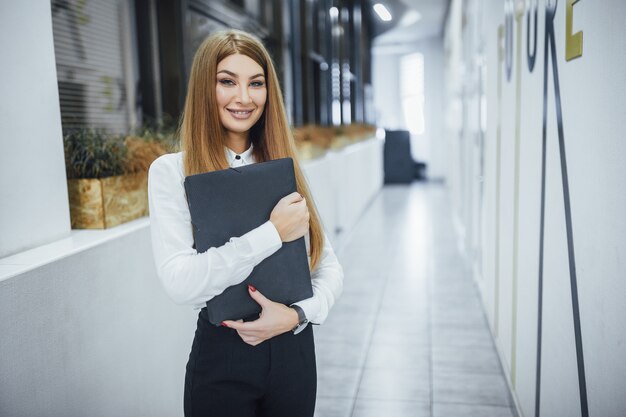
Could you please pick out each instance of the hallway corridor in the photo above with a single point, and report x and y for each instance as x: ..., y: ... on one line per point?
x: 408, y: 337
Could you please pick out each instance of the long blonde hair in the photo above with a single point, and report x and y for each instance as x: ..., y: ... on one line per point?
x: 203, y: 137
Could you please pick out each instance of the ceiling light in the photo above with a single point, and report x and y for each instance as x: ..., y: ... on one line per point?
x: 382, y: 12
x: 410, y: 17
x: 334, y: 12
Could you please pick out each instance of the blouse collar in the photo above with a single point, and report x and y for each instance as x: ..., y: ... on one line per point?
x: 244, y: 158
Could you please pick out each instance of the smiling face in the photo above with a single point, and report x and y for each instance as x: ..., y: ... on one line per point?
x: 240, y: 94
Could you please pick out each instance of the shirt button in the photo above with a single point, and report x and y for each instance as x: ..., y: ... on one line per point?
x: 237, y: 157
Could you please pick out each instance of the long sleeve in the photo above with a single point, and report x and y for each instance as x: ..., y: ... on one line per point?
x: 190, y: 277
x: 327, y: 281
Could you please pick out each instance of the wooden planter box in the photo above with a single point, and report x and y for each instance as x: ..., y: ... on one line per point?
x: 308, y: 150
x: 101, y: 203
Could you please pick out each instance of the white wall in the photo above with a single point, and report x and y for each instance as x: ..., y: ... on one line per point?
x: 386, y: 86
x: 34, y: 207
x: 343, y: 183
x: 592, y: 90
x: 93, y: 334
x: 430, y: 146
x: 434, y: 109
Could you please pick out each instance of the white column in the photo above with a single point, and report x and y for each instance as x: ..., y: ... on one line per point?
x: 34, y: 206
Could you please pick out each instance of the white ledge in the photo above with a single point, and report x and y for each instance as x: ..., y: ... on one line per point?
x: 79, y: 240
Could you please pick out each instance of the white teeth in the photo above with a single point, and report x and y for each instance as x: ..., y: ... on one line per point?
x: 241, y: 112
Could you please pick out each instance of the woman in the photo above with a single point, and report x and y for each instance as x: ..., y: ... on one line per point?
x: 254, y: 366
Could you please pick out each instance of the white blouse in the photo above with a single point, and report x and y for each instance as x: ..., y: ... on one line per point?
x: 194, y: 278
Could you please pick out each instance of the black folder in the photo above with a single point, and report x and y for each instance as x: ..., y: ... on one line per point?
x: 231, y: 202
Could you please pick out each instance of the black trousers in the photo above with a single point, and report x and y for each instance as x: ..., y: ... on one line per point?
x: 226, y: 377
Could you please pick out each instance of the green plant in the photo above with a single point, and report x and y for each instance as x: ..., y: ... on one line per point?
x: 94, y: 153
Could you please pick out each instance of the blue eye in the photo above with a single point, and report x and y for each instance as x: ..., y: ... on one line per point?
x: 257, y: 84
x: 226, y: 81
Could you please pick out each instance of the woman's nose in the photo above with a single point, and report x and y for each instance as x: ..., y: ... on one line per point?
x: 244, y: 96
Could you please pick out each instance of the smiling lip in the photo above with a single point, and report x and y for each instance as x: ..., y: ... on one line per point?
x: 240, y: 114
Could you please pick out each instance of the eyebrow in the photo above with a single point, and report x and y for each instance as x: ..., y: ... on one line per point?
x: 232, y: 74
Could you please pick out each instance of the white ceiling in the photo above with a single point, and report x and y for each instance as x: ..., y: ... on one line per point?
x: 430, y: 25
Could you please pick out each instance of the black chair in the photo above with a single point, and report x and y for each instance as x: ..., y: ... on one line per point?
x: 399, y: 164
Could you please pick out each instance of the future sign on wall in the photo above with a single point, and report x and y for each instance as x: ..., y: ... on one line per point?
x: 515, y: 12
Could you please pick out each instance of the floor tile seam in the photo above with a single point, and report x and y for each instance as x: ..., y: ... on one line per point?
x: 402, y: 324
x: 490, y: 346
x: 465, y: 311
x: 360, y: 369
x: 470, y: 356
x: 485, y: 348
x: 358, y: 221
x: 332, y: 365
x: 438, y: 345
x: 498, y: 406
x: 449, y: 373
x: 338, y: 397
x: 439, y: 372
x: 443, y: 300
x: 429, y: 284
x: 329, y: 344
x: 479, y: 334
x: 474, y: 404
x: 476, y: 291
x: 370, y: 336
x: 455, y: 325
x: 394, y: 400
x: 468, y: 321
x: 488, y: 404
x: 419, y: 345
x: 346, y: 367
x: 480, y: 307
x: 475, y: 349
x: 430, y: 291
x: 392, y: 368
x: 390, y: 398
x: 494, y: 347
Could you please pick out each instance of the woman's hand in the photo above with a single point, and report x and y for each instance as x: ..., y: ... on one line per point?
x: 275, y: 319
x: 290, y: 216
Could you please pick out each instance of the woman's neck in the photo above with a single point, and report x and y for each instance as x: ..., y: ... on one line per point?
x: 238, y: 142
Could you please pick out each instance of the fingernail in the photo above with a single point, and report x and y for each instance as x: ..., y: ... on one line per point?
x: 251, y: 288
x: 224, y: 324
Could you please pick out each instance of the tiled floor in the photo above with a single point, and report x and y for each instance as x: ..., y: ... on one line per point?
x: 408, y: 336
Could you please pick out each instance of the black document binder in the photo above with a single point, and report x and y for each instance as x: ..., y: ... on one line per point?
x: 231, y: 202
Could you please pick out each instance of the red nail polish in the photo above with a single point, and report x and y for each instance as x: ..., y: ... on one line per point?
x: 251, y: 288
x: 224, y: 324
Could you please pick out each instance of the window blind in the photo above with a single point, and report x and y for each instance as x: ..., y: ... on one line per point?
x: 95, y: 70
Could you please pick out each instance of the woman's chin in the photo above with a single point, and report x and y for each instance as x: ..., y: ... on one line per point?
x: 239, y: 126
